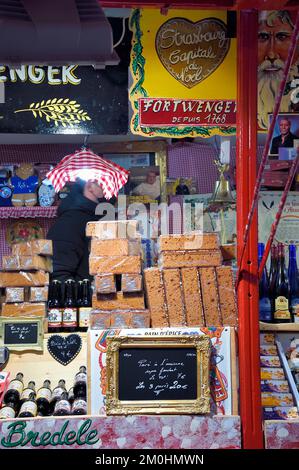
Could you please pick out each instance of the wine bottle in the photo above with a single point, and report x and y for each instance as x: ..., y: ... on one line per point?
x: 294, y: 284
x: 282, y: 313
x: 265, y: 307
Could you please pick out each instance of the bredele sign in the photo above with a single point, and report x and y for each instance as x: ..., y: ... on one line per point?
x: 31, y: 73
x: 18, y: 436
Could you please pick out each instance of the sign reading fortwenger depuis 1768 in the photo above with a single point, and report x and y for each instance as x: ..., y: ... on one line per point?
x: 68, y: 99
x: 168, y: 111
x: 184, y: 74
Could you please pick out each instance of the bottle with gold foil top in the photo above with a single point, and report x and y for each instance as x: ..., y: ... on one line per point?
x: 14, y: 391
x: 43, y: 399
x: 281, y: 303
x: 29, y: 407
x: 27, y: 391
x: 8, y: 411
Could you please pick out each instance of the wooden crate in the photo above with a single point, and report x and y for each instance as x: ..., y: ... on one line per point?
x: 40, y: 365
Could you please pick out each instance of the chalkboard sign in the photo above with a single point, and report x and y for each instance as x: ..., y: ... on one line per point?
x: 160, y: 375
x: 22, y: 333
x: 163, y: 373
x: 64, y: 348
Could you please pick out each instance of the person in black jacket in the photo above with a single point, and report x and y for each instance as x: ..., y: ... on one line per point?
x: 70, y: 244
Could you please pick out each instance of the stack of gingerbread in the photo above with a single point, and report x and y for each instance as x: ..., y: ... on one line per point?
x: 25, y: 279
x: 116, y: 263
x: 190, y: 287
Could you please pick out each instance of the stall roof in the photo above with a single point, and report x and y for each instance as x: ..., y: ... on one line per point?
x: 203, y: 4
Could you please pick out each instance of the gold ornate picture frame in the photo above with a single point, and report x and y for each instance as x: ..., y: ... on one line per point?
x: 158, y: 375
x: 158, y: 147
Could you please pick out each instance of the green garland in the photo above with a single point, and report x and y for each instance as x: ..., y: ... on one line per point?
x: 138, y: 62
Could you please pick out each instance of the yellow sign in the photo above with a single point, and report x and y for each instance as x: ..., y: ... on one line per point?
x: 184, y: 74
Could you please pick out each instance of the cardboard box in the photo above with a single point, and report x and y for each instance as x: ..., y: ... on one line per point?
x: 115, y: 247
x: 277, y: 399
x: 278, y: 165
x: 268, y: 350
x: 113, y: 229
x: 23, y: 279
x: 114, y: 264
x: 33, y: 247
x: 280, y: 386
x: 274, y: 179
x: 118, y: 301
x: 189, y: 259
x: 270, y: 361
x: 154, y: 287
x: 189, y: 241
x: 27, y: 263
x: 272, y: 373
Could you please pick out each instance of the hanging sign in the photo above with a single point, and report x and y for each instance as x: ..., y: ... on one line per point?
x: 184, y: 74
x: 64, y: 100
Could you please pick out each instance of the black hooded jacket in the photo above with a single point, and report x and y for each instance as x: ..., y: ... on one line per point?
x: 70, y: 244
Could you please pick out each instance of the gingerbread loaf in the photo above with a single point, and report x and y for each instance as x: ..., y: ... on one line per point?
x: 114, y: 264
x: 105, y: 284
x: 210, y: 299
x: 116, y: 247
x: 188, y: 259
x: 192, y: 297
x: 173, y: 295
x: 118, y: 301
x: 227, y: 298
x: 189, y: 241
x: 113, y: 229
x: 154, y: 288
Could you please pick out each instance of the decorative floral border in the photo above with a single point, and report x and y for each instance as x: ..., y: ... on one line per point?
x: 138, y: 91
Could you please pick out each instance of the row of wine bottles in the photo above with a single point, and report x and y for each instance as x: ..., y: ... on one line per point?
x: 279, y: 290
x: 24, y: 402
x: 69, y: 306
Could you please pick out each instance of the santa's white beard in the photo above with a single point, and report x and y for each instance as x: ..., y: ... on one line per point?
x: 268, y: 87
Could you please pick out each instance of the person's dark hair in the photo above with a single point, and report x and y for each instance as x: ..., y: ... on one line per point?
x: 81, y: 184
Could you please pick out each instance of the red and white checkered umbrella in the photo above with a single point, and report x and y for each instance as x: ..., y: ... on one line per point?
x: 88, y: 166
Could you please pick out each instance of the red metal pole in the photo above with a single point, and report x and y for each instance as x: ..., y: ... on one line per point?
x: 249, y: 366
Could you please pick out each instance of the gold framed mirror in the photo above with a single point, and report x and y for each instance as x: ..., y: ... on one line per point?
x: 157, y: 147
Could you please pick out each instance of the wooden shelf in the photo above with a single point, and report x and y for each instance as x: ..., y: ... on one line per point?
x: 27, y: 212
x: 279, y: 326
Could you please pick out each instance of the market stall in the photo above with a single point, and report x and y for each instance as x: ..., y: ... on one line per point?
x: 158, y: 366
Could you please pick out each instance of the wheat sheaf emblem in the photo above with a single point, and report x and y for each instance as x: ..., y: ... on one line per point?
x: 61, y: 111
